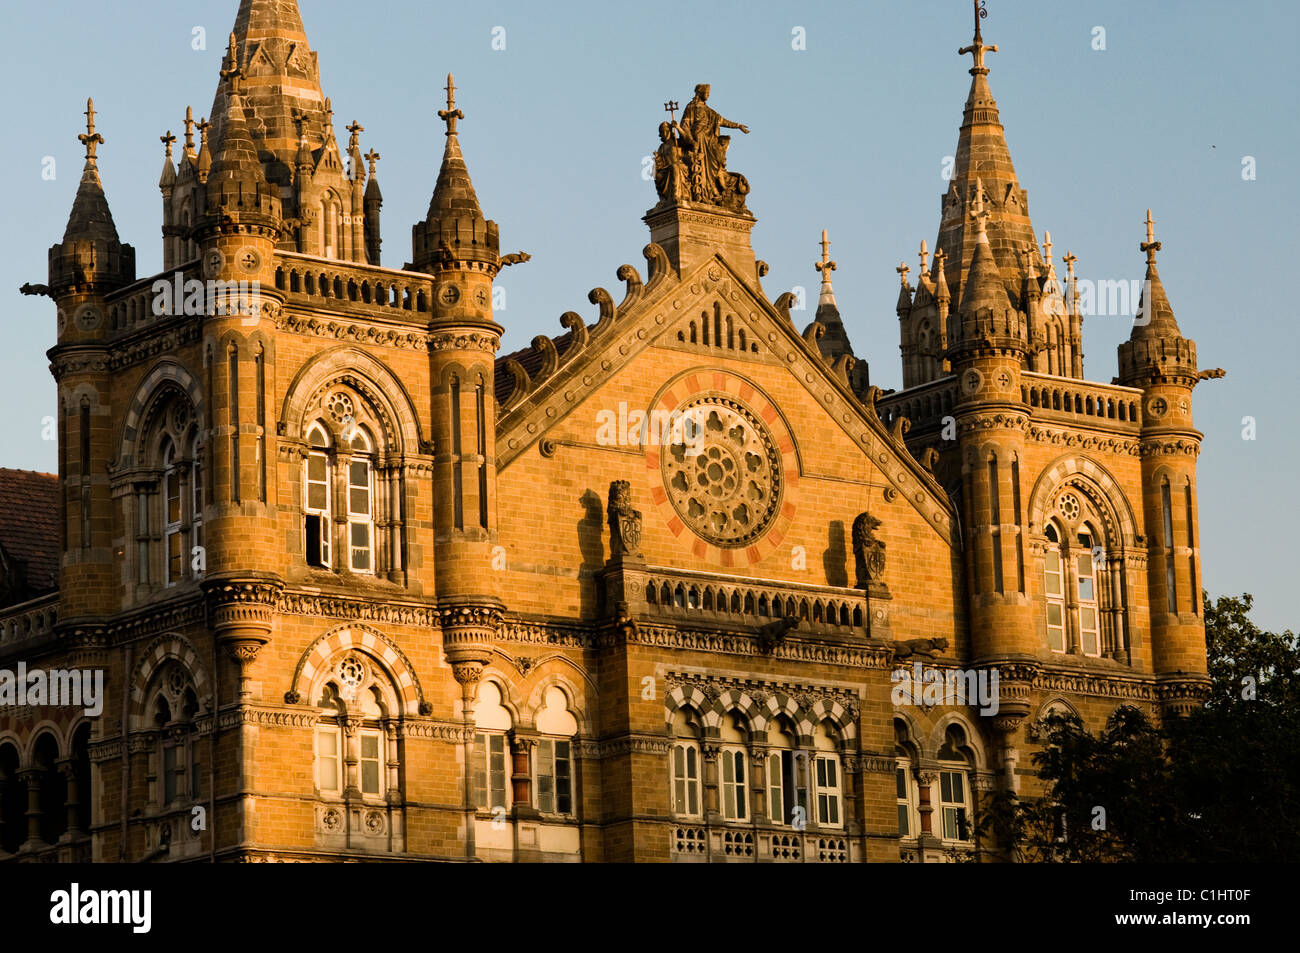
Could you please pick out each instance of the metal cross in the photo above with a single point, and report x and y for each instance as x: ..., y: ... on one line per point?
x: 977, y: 48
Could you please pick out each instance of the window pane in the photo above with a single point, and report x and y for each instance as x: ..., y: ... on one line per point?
x: 902, y: 820
x: 1054, y: 616
x: 316, y: 468
x: 958, y: 789
x: 316, y: 496
x: 945, y: 786
x: 900, y: 785
x: 479, y: 759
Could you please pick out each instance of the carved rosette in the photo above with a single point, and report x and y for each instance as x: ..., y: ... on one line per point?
x: 1181, y: 695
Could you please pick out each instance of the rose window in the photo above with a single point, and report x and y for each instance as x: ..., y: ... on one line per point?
x: 351, y: 672
x: 1068, y: 504
x: 339, y: 406
x: 722, y: 471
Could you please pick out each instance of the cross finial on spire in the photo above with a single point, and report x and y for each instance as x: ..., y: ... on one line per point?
x: 1069, y: 259
x: 451, y: 113
x: 90, y: 138
x: 1047, y: 248
x: 372, y: 157
x: 230, y: 69
x: 189, y: 129
x: 903, y: 270
x: 825, y: 266
x: 977, y: 49
x: 329, y: 113
x: 167, y: 141
x: 978, y: 212
x: 355, y: 128
x: 1150, y: 246
x: 925, y: 256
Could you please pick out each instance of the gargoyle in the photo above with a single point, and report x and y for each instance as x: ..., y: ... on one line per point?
x: 774, y: 633
x: 516, y: 258
x: 928, y: 648
x: 31, y: 289
x: 1214, y: 373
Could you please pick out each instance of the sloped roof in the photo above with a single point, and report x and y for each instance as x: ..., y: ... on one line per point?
x: 29, y: 524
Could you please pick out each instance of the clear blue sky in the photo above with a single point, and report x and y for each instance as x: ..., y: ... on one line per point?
x: 849, y: 134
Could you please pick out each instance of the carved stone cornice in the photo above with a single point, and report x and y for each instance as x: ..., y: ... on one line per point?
x: 479, y: 615
x: 182, y: 333
x: 267, y: 717
x: 1100, y: 443
x: 452, y: 733
x: 352, y: 609
x: 545, y: 633
x: 1180, y: 695
x: 463, y: 341
x: 876, y: 764
x: 1103, y: 686
x: 352, y: 331
x: 804, y: 695
x: 867, y: 656
x: 1168, y: 446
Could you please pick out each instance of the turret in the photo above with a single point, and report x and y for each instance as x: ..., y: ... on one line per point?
x: 458, y: 246
x: 87, y: 265
x: 1159, y: 360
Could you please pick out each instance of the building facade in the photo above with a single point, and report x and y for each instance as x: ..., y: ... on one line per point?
x: 362, y: 588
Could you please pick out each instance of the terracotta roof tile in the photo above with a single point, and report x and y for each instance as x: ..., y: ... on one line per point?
x: 29, y: 524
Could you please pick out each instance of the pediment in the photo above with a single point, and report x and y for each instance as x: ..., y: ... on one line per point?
x: 711, y: 310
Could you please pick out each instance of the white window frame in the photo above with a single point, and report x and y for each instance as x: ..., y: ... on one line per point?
x: 733, y: 783
x: 172, y: 526
x: 333, y: 733
x: 547, y: 760
x: 828, y: 779
x: 797, y: 791
x: 903, y: 774
x: 1054, y: 570
x: 951, y: 809
x: 1088, y: 605
x: 684, y: 761
x: 361, y: 519
x: 483, y: 754
x: 323, y: 512
x: 380, y: 761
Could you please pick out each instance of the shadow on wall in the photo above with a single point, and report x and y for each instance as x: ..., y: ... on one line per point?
x: 835, y: 559
x: 591, y: 542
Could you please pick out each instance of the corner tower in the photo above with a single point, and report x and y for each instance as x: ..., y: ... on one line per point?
x: 1160, y: 361
x: 460, y: 248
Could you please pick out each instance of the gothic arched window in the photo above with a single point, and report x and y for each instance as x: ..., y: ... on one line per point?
x: 175, y: 771
x: 553, y: 766
x: 316, y: 481
x: 166, y: 508
x: 955, y: 798
x: 1083, y: 581
x: 356, y: 737
x: 685, y: 761
x: 361, y: 526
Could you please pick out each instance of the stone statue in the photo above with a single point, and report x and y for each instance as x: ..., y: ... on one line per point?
x: 773, y: 633
x: 926, y: 648
x: 671, y: 176
x: 868, y: 551
x: 704, y: 151
x: 624, y: 521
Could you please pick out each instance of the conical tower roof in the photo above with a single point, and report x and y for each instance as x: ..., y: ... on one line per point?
x: 982, y: 155
x: 1156, y: 348
x: 90, y: 217
x: 281, y: 82
x: 455, y: 227
x: 236, y: 177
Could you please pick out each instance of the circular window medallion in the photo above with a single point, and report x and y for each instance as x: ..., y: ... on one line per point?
x: 972, y: 381
x: 88, y: 318
x: 1068, y: 504
x: 1157, y: 407
x: 449, y: 294
x: 723, y: 467
x: 339, y: 406
x: 352, y: 672
x: 723, y: 473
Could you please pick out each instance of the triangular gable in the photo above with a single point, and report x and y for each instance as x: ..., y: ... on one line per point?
x: 654, y: 313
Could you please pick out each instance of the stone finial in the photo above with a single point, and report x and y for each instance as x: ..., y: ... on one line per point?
x: 903, y: 269
x: 90, y: 138
x: 355, y: 129
x: 1150, y: 246
x: 925, y: 256
x: 451, y: 113
x: 977, y: 49
x: 230, y: 68
x: 189, y: 130
x: 825, y: 266
x: 979, y: 213
x: 372, y: 157
x: 167, y: 141
x: 1047, y: 249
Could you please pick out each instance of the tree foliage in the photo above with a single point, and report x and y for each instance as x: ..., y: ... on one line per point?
x: 1219, y: 784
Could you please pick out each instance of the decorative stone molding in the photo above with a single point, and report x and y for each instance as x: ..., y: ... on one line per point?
x: 357, y: 610
x: 352, y: 332
x: 449, y: 340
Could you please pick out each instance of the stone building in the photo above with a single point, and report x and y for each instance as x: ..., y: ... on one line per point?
x: 361, y: 588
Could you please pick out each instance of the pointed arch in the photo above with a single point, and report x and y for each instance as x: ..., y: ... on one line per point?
x: 1098, y: 483
x: 371, y: 378
x: 316, y: 660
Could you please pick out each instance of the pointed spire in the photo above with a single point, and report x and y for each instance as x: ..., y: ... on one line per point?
x: 1157, y: 319
x: 90, y: 217
x: 1071, y: 286
x: 941, y: 292
x: 982, y: 148
x: 168, y: 177
x: 983, y: 287
x: 278, y: 80
x: 372, y: 187
x: 204, y: 160
x: 236, y: 177
x: 835, y: 341
x: 455, y: 225
x: 905, y: 291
